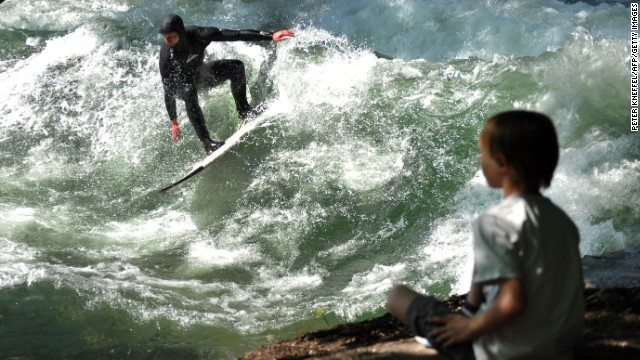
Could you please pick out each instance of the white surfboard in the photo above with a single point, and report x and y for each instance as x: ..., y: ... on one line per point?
x: 232, y: 141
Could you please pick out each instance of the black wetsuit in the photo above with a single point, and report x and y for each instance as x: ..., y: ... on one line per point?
x: 183, y: 69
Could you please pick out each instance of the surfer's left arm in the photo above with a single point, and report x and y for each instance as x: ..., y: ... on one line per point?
x: 282, y: 35
x: 215, y: 34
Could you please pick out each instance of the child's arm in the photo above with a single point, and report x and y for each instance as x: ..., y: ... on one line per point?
x: 475, y: 297
x: 510, y: 302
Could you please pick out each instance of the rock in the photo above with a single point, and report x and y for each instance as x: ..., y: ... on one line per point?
x: 620, y: 269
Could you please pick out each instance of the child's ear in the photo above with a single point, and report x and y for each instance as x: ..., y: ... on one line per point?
x: 501, y: 160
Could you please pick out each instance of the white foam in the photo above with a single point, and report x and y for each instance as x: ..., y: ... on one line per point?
x: 279, y: 285
x: 336, y: 80
x: 57, y: 51
x: 160, y: 223
x: 358, y: 166
x: 368, y: 290
x: 15, y: 264
x: 204, y: 253
x: 591, y: 188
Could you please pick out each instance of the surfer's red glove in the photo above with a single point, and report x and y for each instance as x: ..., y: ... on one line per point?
x: 282, y: 35
x: 175, y: 131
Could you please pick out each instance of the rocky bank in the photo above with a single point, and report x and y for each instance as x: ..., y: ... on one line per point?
x: 612, y: 323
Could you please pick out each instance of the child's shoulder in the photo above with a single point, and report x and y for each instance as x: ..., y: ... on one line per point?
x: 520, y: 208
x: 513, y: 208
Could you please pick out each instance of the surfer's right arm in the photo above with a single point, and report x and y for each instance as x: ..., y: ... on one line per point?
x: 170, y: 104
x: 175, y: 131
x: 169, y: 94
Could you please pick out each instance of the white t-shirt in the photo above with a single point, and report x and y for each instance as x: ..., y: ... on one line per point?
x: 530, y: 238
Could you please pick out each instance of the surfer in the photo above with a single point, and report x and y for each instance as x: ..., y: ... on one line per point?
x: 184, y: 71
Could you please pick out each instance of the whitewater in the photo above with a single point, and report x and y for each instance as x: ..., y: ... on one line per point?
x: 363, y: 175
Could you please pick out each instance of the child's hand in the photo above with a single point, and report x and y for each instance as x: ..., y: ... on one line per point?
x: 455, y: 329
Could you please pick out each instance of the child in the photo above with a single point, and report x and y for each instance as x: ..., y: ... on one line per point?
x: 527, y: 294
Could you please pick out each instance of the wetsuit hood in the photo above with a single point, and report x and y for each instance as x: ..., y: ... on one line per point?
x: 172, y: 22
